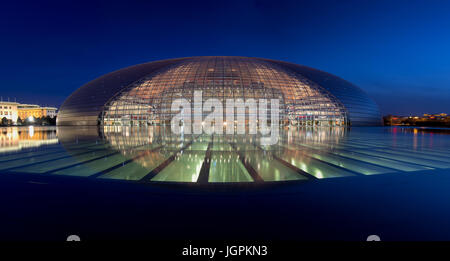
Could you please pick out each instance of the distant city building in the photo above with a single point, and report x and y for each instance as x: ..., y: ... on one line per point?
x: 12, y: 111
x: 36, y: 111
x: 8, y: 110
x: 441, y: 119
x: 435, y: 116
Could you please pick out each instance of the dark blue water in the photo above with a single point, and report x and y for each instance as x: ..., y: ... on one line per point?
x: 401, y: 205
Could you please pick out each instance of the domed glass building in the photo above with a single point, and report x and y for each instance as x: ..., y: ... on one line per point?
x: 143, y: 94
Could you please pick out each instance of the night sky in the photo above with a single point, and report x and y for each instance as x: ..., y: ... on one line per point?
x: 397, y: 51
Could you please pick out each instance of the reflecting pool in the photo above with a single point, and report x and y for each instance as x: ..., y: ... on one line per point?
x: 153, y: 154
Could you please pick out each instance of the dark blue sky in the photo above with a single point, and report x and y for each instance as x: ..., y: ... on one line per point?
x: 397, y: 51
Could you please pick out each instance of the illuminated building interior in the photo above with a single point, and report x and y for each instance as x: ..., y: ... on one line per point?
x: 143, y: 94
x: 149, y: 100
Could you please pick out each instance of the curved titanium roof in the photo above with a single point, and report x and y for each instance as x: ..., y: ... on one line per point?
x: 85, y: 105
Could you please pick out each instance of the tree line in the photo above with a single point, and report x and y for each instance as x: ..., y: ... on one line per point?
x: 42, y: 121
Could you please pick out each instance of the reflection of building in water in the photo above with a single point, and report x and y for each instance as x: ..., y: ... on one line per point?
x: 17, y: 138
x: 124, y: 137
x: 128, y: 139
x: 154, y: 153
x: 321, y: 135
x: 81, y: 133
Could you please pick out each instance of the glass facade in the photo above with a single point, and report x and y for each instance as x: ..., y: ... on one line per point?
x: 143, y: 94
